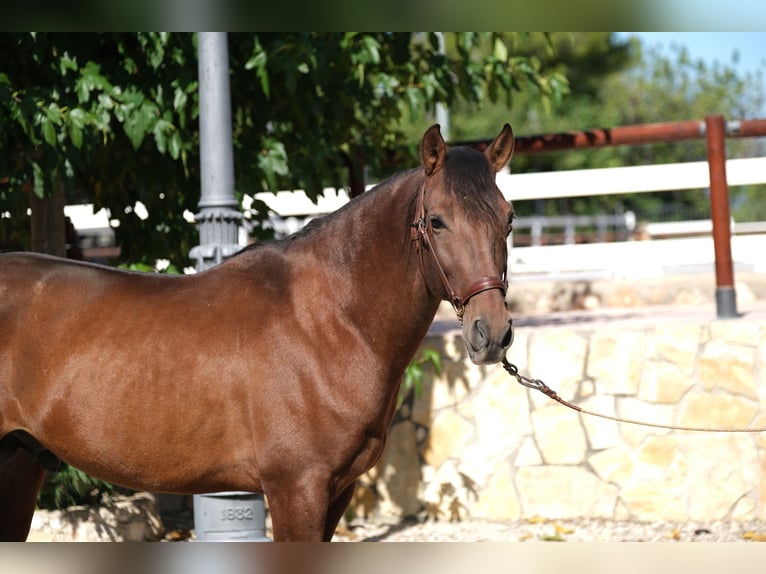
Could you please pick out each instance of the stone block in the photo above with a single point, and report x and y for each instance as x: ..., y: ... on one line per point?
x: 559, y: 435
x: 456, y: 381
x: 677, y: 345
x: 717, y: 410
x: 399, y: 472
x: 449, y: 491
x: 557, y: 357
x: 564, y: 492
x: 448, y: 435
x: 723, y: 468
x: 480, y: 459
x: 614, y: 465
x: 602, y: 433
x: 660, y: 458
x: 615, y: 360
x: 642, y: 411
x: 655, y: 500
x: 728, y: 367
x: 663, y: 382
x: 744, y: 509
x: 528, y: 455
x: 502, y: 409
x: 498, y: 499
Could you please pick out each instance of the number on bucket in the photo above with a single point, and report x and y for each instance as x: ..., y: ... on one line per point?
x: 236, y: 513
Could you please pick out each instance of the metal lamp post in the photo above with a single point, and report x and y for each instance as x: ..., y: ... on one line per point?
x: 219, y: 217
x: 222, y: 516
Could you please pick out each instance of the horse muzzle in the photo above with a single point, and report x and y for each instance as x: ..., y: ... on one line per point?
x: 488, y: 340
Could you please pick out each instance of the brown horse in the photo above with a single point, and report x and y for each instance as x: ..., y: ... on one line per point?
x: 275, y: 372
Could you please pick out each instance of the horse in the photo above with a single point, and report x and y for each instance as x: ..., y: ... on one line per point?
x: 276, y: 371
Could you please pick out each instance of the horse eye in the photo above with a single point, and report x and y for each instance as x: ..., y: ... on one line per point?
x: 437, y: 223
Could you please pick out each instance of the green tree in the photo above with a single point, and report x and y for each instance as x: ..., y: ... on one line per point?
x: 675, y: 88
x: 108, y: 119
x: 111, y: 118
x: 585, y: 59
x: 615, y: 83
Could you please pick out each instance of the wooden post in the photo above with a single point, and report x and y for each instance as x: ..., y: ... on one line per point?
x: 725, y: 295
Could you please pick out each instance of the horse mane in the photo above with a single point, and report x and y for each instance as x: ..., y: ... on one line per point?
x: 318, y: 223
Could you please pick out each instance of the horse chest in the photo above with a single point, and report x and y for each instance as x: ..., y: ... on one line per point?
x: 369, y: 451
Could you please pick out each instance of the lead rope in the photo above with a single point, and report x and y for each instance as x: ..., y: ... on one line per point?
x: 538, y: 385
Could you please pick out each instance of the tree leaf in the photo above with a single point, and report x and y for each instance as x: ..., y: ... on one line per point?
x: 174, y: 145
x: 48, y: 131
x: 140, y: 122
x: 75, y: 135
x: 38, y: 179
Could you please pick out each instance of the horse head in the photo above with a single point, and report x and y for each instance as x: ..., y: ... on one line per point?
x: 461, y: 224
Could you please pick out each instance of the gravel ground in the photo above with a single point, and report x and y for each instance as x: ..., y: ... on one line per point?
x: 582, y: 530
x: 180, y: 526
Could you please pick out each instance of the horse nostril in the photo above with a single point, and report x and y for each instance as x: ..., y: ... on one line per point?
x: 480, y: 336
x: 508, y: 338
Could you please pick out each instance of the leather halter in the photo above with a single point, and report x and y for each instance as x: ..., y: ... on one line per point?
x: 419, y: 233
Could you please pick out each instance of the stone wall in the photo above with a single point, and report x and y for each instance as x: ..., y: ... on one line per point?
x: 477, y: 443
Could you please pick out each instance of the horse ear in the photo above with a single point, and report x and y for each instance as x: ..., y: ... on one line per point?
x: 433, y: 150
x: 500, y: 150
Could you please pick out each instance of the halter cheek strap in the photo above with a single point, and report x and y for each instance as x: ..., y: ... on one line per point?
x: 419, y: 233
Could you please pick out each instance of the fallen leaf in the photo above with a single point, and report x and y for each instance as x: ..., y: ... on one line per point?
x: 754, y: 536
x: 343, y: 531
x: 178, y: 535
x: 563, y: 529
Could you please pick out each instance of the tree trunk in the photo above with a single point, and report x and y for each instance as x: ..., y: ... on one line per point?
x: 356, y: 175
x: 48, y: 226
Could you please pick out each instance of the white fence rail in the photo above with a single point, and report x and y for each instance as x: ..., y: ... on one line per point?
x: 559, y: 184
x: 629, y: 179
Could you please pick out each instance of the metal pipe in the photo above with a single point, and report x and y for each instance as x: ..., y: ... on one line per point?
x: 725, y: 295
x: 626, y: 135
x: 604, y: 137
x: 746, y: 128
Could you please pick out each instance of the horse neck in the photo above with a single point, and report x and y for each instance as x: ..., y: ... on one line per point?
x: 386, y: 295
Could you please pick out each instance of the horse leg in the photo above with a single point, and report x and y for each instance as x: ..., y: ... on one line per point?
x: 21, y: 477
x: 298, y: 509
x: 337, y: 509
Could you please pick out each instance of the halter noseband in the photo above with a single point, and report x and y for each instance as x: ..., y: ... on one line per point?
x: 419, y: 233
